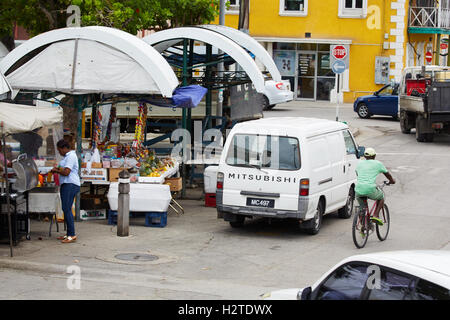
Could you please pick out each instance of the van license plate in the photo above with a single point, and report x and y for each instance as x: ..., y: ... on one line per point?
x: 264, y: 203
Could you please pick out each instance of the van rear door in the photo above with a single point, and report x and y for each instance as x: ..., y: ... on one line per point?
x: 262, y: 171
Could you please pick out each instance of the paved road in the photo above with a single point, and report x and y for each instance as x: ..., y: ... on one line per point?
x: 206, y: 259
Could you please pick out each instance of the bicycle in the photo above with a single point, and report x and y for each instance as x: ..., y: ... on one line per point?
x: 363, y: 226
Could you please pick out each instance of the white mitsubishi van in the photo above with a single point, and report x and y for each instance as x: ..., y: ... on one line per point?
x: 301, y: 168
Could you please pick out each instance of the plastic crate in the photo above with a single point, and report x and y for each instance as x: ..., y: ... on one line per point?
x: 156, y: 219
x: 152, y: 219
x: 210, y: 200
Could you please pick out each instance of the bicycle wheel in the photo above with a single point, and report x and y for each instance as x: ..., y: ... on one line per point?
x: 382, y: 231
x: 360, y: 229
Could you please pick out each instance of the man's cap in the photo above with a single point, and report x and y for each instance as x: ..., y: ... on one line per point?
x: 369, y: 152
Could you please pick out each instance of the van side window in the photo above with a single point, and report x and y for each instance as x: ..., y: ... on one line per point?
x: 349, y: 143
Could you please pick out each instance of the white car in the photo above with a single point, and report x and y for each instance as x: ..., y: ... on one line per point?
x: 393, y: 275
x: 276, y: 92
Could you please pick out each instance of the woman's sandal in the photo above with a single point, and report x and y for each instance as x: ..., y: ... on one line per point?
x: 70, y: 239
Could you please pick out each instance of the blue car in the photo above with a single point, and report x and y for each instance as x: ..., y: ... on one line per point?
x: 383, y: 102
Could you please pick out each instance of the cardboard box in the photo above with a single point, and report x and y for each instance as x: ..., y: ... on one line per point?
x: 91, y: 202
x: 176, y: 184
x: 114, y: 174
x: 94, y: 174
x: 96, y: 214
x: 94, y: 165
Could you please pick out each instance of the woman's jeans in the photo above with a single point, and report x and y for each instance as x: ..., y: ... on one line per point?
x: 68, y: 192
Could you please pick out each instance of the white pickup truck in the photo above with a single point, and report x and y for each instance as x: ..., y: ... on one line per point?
x: 424, y: 101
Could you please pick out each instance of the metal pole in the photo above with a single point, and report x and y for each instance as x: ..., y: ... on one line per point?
x: 220, y: 66
x: 123, y: 209
x: 184, y: 115
x: 208, y: 86
x: 337, y: 97
x: 5, y: 171
x: 79, y: 101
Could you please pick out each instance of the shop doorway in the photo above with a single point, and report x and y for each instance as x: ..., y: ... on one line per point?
x: 307, y: 72
x: 315, y: 78
x: 307, y: 67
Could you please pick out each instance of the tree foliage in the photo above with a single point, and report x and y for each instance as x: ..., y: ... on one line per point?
x: 38, y: 16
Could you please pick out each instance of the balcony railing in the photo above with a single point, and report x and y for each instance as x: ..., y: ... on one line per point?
x: 429, y: 17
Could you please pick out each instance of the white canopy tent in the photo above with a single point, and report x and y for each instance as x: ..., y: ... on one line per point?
x: 19, y: 118
x: 4, y: 85
x: 247, y: 42
x: 162, y: 40
x: 89, y: 60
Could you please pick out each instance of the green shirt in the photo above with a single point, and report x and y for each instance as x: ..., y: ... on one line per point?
x: 368, y: 171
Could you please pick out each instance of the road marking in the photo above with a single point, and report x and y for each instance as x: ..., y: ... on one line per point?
x: 413, y: 154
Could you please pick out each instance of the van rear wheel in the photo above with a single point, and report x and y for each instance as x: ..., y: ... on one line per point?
x: 312, y: 226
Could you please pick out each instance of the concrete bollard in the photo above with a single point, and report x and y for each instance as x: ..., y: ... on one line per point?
x: 123, y: 210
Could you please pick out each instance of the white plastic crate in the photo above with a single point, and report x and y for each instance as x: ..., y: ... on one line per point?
x: 210, y: 179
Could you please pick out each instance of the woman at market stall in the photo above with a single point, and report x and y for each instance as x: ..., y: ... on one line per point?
x: 70, y: 186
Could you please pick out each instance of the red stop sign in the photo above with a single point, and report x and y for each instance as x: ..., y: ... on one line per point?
x: 428, y: 56
x: 339, y: 52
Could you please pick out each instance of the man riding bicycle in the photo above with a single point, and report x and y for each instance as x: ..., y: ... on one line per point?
x: 367, y: 172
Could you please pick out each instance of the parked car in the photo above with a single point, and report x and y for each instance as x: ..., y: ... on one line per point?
x: 393, y: 275
x: 276, y: 92
x: 382, y: 102
x: 287, y: 168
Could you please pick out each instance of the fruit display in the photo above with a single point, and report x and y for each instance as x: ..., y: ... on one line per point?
x: 139, y: 135
x: 152, y: 166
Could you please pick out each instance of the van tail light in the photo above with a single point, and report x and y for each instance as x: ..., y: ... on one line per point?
x: 304, y: 187
x: 280, y: 85
x: 220, y: 180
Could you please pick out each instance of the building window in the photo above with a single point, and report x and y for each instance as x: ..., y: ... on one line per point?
x: 296, y: 8
x: 352, y: 8
x: 234, y: 7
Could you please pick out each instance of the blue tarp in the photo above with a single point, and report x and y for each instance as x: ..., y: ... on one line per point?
x: 183, y: 97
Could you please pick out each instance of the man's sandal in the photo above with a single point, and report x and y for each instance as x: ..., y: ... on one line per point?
x: 61, y: 238
x: 378, y: 221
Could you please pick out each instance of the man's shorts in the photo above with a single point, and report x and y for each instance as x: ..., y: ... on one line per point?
x: 377, y: 194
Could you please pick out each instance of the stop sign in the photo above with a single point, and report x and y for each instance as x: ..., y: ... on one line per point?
x: 428, y: 56
x: 339, y: 52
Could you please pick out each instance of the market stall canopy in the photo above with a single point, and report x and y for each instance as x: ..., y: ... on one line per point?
x: 19, y: 118
x: 162, y: 40
x: 3, y: 51
x: 89, y: 60
x: 247, y: 42
x: 4, y: 85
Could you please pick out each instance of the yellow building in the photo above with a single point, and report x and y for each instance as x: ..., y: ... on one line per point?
x: 298, y: 34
